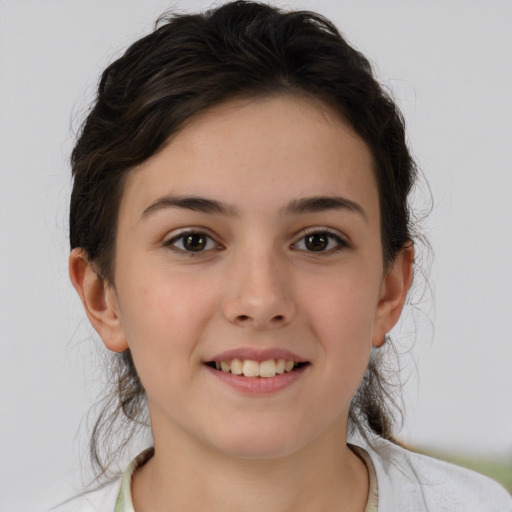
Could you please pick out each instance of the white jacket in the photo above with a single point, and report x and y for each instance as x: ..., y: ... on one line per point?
x: 406, y: 481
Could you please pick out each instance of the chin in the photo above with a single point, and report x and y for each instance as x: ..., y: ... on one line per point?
x: 261, y: 442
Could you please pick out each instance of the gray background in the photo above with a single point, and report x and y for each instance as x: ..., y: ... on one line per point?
x: 449, y: 66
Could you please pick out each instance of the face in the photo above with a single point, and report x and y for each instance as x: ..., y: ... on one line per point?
x: 249, y: 282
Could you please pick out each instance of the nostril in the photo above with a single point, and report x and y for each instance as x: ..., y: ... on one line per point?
x: 260, y: 320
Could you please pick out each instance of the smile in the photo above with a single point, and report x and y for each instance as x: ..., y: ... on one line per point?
x: 251, y: 368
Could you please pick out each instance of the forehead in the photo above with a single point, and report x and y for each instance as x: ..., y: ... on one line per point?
x: 258, y: 149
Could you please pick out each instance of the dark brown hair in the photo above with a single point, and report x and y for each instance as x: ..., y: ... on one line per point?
x: 189, y: 64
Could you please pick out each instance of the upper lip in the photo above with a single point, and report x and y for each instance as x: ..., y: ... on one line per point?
x: 255, y: 354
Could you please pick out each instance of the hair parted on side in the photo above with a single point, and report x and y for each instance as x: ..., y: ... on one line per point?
x: 188, y: 64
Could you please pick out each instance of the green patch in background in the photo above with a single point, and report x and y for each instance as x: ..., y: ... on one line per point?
x: 499, y: 470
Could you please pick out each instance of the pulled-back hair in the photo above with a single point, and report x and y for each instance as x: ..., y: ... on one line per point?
x: 188, y: 64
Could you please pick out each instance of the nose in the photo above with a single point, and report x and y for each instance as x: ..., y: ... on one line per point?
x: 260, y: 293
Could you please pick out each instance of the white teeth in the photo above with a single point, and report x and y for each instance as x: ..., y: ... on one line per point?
x: 236, y: 367
x: 250, y: 368
x: 268, y: 368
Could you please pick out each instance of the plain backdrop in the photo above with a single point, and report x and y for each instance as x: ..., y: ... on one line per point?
x: 449, y: 66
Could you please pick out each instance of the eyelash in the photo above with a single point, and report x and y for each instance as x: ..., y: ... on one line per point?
x: 339, y: 242
x: 172, y: 243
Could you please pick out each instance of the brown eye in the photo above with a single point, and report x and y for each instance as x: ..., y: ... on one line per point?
x: 317, y: 242
x: 320, y: 241
x: 192, y: 242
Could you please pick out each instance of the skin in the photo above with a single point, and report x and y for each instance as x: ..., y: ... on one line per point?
x: 256, y: 285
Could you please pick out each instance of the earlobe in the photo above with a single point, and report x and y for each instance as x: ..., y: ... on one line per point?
x: 395, y: 285
x: 99, y: 301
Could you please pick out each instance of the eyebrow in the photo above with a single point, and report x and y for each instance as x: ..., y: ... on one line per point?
x: 194, y: 203
x: 324, y: 203
x: 297, y: 206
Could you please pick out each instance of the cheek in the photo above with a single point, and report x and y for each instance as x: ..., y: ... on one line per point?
x: 162, y: 324
x: 163, y: 314
x: 341, y: 306
x: 341, y: 313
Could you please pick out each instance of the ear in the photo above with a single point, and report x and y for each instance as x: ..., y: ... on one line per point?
x: 99, y: 300
x: 393, y: 293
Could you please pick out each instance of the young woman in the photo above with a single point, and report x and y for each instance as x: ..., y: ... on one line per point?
x: 241, y: 239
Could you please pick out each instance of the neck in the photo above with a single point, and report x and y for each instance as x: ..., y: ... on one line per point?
x: 324, y: 476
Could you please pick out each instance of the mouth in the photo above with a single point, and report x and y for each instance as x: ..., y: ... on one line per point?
x: 255, y: 369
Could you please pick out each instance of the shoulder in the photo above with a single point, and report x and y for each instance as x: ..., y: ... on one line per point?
x: 100, y: 499
x: 414, y: 482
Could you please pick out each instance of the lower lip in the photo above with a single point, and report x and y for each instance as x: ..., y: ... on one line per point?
x: 258, y: 385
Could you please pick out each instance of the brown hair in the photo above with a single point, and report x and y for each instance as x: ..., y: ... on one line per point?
x: 189, y: 64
